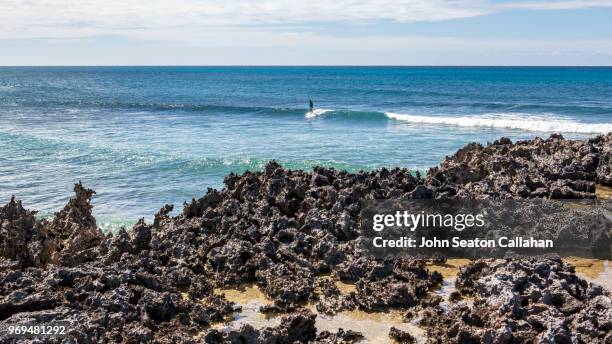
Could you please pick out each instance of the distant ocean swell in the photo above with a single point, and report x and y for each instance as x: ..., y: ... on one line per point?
x: 143, y: 106
x: 595, y: 108
x: 538, y: 121
x: 520, y: 121
x: 526, y: 117
x: 503, y: 120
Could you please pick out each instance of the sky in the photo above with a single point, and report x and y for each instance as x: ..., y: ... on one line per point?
x: 314, y: 32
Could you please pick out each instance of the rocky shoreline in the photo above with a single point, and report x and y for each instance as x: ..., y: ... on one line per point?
x: 284, y: 231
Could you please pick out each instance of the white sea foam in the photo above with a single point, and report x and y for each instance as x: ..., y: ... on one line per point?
x: 510, y: 121
x: 113, y: 225
x: 317, y: 112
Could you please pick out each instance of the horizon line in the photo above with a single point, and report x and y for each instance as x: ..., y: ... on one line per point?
x: 300, y: 65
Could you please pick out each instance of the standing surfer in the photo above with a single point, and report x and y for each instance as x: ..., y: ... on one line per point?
x: 310, y: 103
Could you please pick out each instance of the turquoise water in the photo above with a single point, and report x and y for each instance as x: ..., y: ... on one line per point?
x: 146, y: 136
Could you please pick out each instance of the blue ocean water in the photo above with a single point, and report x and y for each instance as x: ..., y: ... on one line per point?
x: 146, y: 136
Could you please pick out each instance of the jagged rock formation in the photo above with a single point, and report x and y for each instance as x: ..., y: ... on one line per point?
x: 552, y: 168
x: 528, y: 300
x: 283, y: 230
x: 23, y: 240
x: 401, y: 336
x: 71, y: 235
x: 107, y: 288
x: 297, y: 327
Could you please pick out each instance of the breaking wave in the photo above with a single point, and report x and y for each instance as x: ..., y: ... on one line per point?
x: 317, y: 112
x: 509, y: 121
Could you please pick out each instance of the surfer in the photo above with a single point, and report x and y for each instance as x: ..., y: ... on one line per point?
x: 311, y: 105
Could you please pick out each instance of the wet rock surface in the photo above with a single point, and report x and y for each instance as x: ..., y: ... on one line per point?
x: 283, y: 230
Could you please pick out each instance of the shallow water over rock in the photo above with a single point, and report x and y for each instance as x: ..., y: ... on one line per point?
x: 604, y: 192
x: 593, y: 270
x: 373, y: 325
x: 450, y: 268
x: 605, y: 277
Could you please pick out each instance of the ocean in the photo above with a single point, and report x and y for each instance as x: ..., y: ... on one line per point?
x: 146, y: 136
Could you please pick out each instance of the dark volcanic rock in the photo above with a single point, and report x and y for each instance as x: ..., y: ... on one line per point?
x: 340, y: 337
x: 331, y: 300
x: 401, y: 336
x: 294, y: 328
x: 284, y: 230
x: 116, y: 288
x: 75, y: 230
x: 552, y: 168
x: 402, y: 283
x: 23, y: 239
x: 525, y: 300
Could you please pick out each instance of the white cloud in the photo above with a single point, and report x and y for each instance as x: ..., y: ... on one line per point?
x: 159, y: 18
x: 556, y: 5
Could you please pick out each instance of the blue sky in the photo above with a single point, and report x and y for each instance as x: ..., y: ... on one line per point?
x: 275, y: 32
